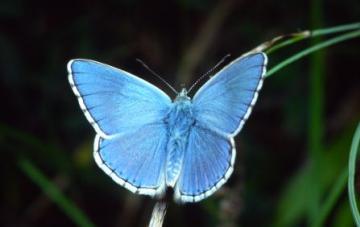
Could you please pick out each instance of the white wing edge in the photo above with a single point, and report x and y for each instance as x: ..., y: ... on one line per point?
x: 81, y: 101
x: 180, y: 198
x: 156, y: 192
x: 82, y: 104
x: 256, y: 93
x: 254, y: 99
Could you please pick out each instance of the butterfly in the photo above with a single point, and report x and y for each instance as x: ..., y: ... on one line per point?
x: 147, y: 142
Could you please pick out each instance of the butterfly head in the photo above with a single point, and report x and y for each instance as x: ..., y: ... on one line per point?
x: 182, y: 96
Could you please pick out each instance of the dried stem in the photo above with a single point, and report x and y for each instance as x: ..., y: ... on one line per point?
x: 158, y: 214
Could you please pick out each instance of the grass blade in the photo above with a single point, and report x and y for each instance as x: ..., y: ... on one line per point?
x: 351, y: 181
x: 66, y: 205
x: 331, y: 200
x: 312, y: 49
x: 314, y: 33
x: 336, y: 29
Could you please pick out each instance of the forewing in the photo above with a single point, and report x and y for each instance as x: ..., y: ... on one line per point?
x: 115, y: 101
x: 208, y: 163
x: 135, y: 160
x: 225, y: 102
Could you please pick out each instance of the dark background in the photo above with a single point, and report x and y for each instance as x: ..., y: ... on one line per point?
x: 272, y: 185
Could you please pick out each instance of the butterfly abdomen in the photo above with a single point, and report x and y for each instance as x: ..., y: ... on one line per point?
x: 179, y: 122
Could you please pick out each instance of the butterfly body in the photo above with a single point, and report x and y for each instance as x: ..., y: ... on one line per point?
x: 179, y: 122
x: 146, y: 142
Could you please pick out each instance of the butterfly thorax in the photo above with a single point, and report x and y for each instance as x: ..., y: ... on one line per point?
x: 179, y: 122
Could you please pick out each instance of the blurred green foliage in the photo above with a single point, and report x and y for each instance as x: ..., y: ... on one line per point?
x: 289, y: 170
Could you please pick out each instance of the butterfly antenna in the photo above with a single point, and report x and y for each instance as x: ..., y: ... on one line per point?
x: 208, y: 72
x: 155, y: 74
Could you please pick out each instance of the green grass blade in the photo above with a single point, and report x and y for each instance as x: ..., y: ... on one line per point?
x: 315, y: 127
x: 314, y: 33
x: 312, y: 49
x: 55, y: 156
x: 336, y: 29
x: 351, y: 181
x: 331, y: 200
x: 294, y: 199
x: 65, y: 204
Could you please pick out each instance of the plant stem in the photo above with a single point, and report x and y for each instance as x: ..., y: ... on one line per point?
x: 314, y: 33
x: 312, y: 49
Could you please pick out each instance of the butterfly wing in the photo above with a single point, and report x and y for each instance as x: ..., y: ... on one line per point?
x: 135, y: 160
x: 115, y: 101
x: 208, y: 163
x: 220, y: 108
x: 127, y: 114
x: 225, y: 102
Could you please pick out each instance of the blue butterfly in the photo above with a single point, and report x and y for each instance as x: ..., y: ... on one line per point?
x: 147, y: 142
